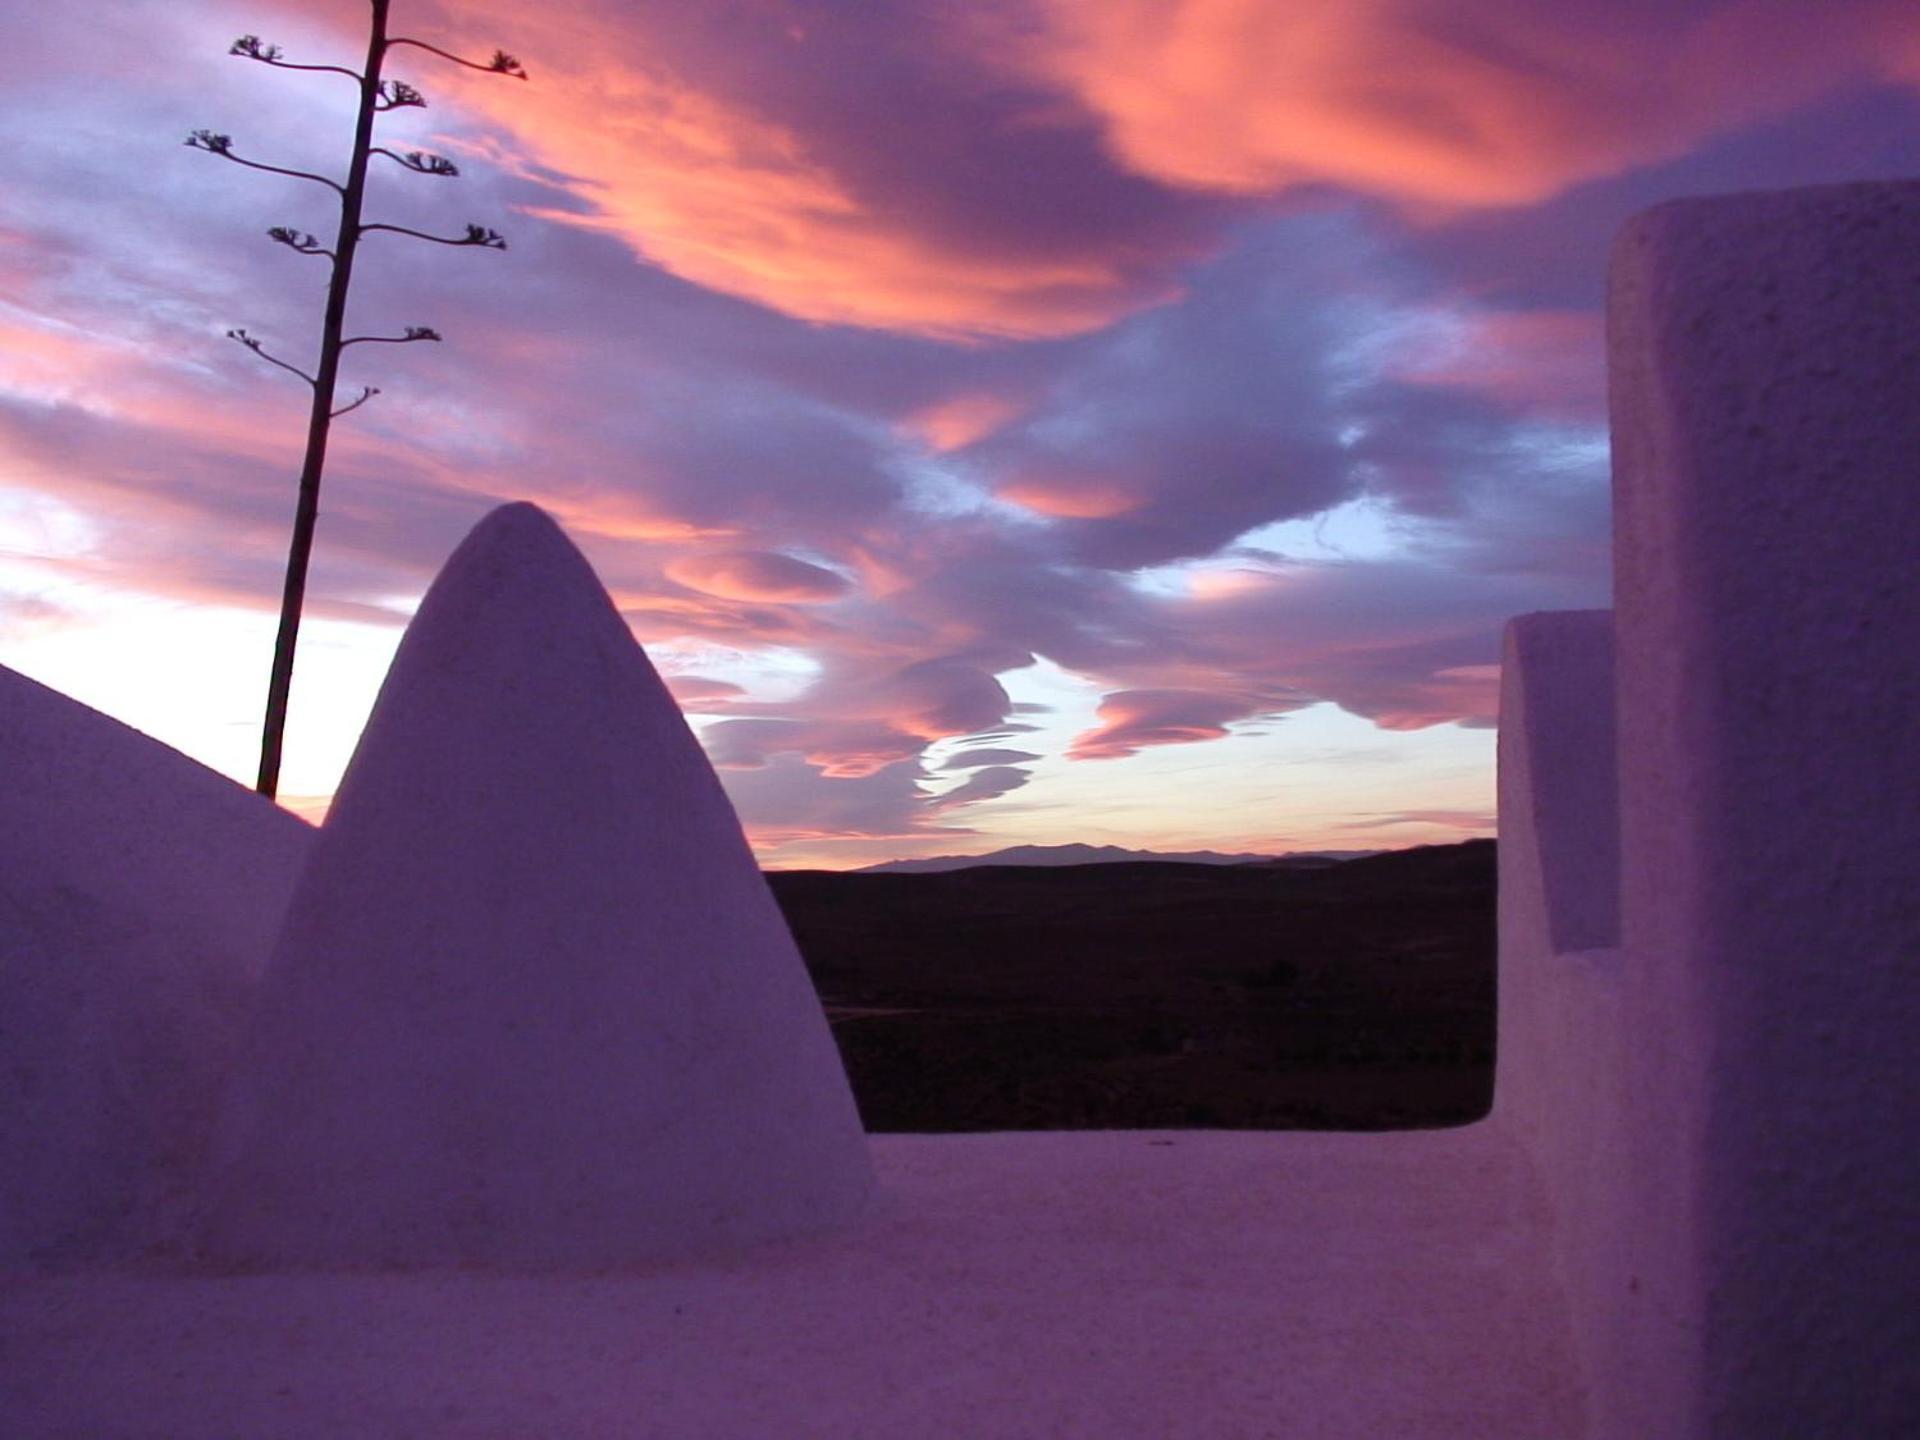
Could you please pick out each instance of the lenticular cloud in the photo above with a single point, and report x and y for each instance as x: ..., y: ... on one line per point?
x: 533, y: 1006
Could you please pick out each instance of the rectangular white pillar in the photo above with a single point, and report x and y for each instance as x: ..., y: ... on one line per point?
x: 1557, y: 1089
x: 1765, y: 363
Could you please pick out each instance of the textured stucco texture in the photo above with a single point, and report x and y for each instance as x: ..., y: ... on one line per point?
x: 533, y: 1005
x: 1093, y: 1286
x: 1764, y: 355
x: 1557, y: 1088
x: 139, y: 895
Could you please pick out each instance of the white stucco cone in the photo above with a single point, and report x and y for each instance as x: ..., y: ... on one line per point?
x: 534, y: 1006
x: 139, y: 895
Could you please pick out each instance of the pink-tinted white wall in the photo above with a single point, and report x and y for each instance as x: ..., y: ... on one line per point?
x: 139, y: 896
x: 1749, y: 1267
x: 533, y: 1006
x: 1557, y: 1088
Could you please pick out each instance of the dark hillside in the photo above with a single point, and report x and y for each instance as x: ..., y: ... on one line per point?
x: 1352, y: 996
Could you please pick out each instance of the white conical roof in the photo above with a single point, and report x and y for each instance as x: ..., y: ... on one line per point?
x: 534, y: 1006
x: 139, y: 895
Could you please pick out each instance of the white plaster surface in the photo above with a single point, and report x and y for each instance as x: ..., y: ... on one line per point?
x: 1557, y: 1088
x: 1101, y: 1285
x: 491, y: 1045
x: 139, y: 895
x: 534, y: 1005
x: 1557, y: 729
x: 1765, y: 362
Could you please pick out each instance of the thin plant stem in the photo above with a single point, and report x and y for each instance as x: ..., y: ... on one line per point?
x: 320, y: 421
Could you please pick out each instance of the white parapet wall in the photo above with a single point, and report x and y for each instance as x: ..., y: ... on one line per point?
x: 140, y: 893
x: 1557, y: 1087
x: 1749, y: 1267
x: 1559, y: 781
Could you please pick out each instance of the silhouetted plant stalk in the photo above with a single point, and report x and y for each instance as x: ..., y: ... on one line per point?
x: 376, y: 96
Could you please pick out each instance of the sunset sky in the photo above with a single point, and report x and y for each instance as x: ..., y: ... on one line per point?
x: 1004, y: 422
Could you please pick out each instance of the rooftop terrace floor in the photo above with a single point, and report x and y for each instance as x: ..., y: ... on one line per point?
x: 1106, y: 1285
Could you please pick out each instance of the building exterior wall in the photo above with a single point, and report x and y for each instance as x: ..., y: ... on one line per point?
x: 1760, y: 1277
x: 139, y: 895
x: 1765, y: 354
x: 1557, y: 1089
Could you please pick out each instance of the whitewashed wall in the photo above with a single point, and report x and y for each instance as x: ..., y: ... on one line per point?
x: 139, y: 895
x: 1558, y: 1081
x: 1744, y: 1262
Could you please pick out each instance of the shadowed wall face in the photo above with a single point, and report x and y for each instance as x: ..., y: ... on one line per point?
x: 1557, y: 731
x: 1765, y: 354
x: 1558, y: 1087
x: 139, y: 896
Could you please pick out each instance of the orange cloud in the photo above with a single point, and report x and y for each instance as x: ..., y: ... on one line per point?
x: 758, y: 575
x: 1072, y: 495
x: 1437, y: 102
x: 958, y: 422
x: 1132, y: 720
x: 614, y: 517
x: 732, y: 200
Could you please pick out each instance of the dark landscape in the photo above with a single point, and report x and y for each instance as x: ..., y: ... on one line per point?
x: 1356, y: 995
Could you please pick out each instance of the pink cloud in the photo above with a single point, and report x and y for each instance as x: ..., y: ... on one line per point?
x: 702, y: 693
x: 195, y: 517
x: 1466, y: 694
x: 1405, y: 644
x: 788, y: 805
x: 1540, y: 362
x: 985, y: 784
x: 708, y: 144
x: 624, y: 516
x: 787, y: 801
x: 54, y: 365
x: 1132, y: 720
x: 758, y: 575
x: 1072, y: 495
x: 1438, y: 102
x: 960, y: 420
x: 863, y: 714
x: 838, y: 749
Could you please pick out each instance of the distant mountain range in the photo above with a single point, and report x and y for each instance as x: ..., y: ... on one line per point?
x: 1102, y: 855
